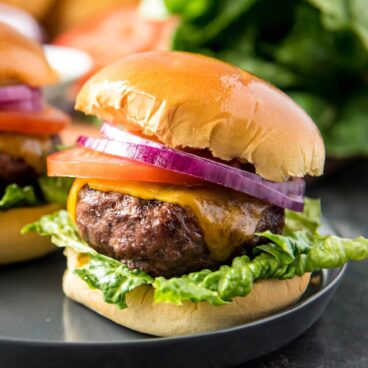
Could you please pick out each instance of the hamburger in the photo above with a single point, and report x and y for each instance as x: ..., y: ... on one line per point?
x: 188, y: 213
x: 28, y: 133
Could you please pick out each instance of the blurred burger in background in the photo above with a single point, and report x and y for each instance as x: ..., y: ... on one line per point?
x: 29, y: 131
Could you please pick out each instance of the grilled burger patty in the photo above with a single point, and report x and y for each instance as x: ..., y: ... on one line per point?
x: 160, y: 238
x: 15, y: 170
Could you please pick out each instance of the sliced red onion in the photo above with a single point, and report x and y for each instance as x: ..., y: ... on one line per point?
x: 20, y: 97
x: 114, y: 133
x: 184, y: 163
x: 16, y: 92
x: 293, y: 187
x: 26, y: 106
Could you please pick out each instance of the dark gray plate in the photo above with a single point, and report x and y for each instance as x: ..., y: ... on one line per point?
x: 40, y: 327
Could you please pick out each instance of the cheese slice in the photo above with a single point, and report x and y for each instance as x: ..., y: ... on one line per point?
x: 227, y: 218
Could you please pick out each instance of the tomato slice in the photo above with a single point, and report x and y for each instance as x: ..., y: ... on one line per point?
x: 84, y: 163
x: 45, y: 122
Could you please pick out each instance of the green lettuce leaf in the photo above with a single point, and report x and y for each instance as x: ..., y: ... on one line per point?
x: 16, y: 196
x: 284, y: 258
x: 202, y: 20
x: 55, y: 189
x: 345, y: 14
x: 110, y: 276
x: 300, y: 249
x: 349, y: 135
x: 113, y: 278
x: 309, y: 220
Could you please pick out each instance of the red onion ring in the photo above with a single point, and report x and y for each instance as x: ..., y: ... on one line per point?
x: 295, y: 186
x: 199, y: 167
x: 20, y: 97
x: 26, y: 105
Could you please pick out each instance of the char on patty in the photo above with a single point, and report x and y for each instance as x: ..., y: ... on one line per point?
x: 160, y: 238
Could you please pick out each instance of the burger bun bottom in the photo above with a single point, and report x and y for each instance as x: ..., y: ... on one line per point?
x: 15, y: 247
x: 164, y: 319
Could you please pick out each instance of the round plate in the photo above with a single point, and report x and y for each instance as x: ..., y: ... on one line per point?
x: 38, y: 324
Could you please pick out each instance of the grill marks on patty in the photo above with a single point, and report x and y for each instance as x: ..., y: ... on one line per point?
x: 160, y: 238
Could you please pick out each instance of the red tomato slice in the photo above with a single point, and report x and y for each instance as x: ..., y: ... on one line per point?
x: 84, y: 163
x: 45, y: 122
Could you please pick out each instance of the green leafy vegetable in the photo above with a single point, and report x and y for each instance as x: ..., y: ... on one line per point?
x: 309, y: 220
x: 55, y: 189
x: 300, y: 249
x: 349, y: 136
x: 16, y: 196
x: 345, y: 14
x: 113, y: 278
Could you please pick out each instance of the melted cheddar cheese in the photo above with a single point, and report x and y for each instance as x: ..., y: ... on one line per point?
x: 227, y: 218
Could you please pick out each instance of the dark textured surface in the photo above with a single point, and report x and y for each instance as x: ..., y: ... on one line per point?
x: 340, y: 337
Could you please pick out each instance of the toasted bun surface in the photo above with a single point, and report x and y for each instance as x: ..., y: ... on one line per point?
x: 165, y: 319
x: 15, y: 247
x: 22, y: 60
x: 188, y: 100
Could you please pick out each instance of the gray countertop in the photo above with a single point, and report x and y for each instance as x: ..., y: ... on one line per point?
x: 340, y: 337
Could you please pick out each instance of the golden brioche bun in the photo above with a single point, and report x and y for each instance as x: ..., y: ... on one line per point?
x: 15, y: 247
x: 188, y: 100
x: 22, y: 60
x: 165, y: 319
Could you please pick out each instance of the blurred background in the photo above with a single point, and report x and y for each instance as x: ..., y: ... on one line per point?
x: 314, y: 50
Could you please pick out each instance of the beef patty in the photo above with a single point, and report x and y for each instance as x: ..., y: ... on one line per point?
x: 160, y: 238
x: 15, y: 170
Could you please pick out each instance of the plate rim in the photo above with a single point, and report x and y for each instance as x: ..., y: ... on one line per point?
x: 340, y: 271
